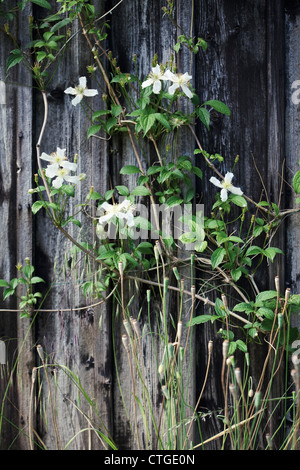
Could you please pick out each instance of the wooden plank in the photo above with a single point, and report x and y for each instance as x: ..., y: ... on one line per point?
x: 17, y: 124
x: 242, y: 67
x: 154, y: 34
x: 292, y: 144
x: 75, y: 340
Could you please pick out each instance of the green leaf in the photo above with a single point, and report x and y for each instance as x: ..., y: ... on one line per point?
x: 14, y: 282
x: 116, y: 110
x: 60, y: 24
x: 68, y: 189
x: 108, y: 195
x: 200, y: 247
x: 218, y: 106
x: 174, y: 201
x: 76, y: 222
x: 266, y: 312
x: 95, y: 196
x: 94, y: 129
x: 147, y: 121
x: 28, y: 271
x: 36, y: 206
x: 197, y: 171
x: 243, y: 307
x: 99, y: 113
x: 202, y: 319
x: 14, y: 58
x: 154, y: 169
x: 204, y: 116
x: 220, y: 308
x: 41, y: 55
x: 217, y: 257
x: 241, y: 345
x: 145, y: 247
x: 36, y: 280
x: 189, y: 194
x: 8, y: 292
x: 140, y: 191
x: 129, y: 170
x: 188, y: 237
x: 162, y: 119
x: 295, y: 299
x: 233, y: 239
x: 111, y: 122
x: 271, y: 252
x: 266, y: 295
x: 254, y: 250
x: 238, y: 200
x: 122, y: 190
x: 296, y: 182
x: 4, y: 283
x: 42, y: 3
x: 236, y: 274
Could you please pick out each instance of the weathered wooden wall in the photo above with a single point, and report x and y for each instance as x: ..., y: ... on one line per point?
x: 251, y: 61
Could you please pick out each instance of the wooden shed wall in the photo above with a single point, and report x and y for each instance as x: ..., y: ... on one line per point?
x: 250, y: 64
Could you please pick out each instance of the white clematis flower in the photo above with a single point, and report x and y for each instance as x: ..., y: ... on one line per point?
x: 226, y: 186
x: 155, y: 78
x: 123, y: 211
x: 59, y: 158
x: 61, y: 174
x: 80, y: 91
x: 179, y: 81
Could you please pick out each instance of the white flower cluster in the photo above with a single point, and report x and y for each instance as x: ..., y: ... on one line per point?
x: 60, y: 168
x: 123, y: 211
x: 179, y: 81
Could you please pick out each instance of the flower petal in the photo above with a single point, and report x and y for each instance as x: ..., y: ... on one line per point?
x: 105, y: 218
x: 228, y: 177
x: 70, y: 91
x: 69, y: 165
x: 82, y: 82
x: 216, y: 182
x: 130, y: 220
x: 90, y: 92
x: 72, y: 179
x: 61, y: 152
x: 186, y: 77
x: 47, y: 157
x: 147, y: 83
x: 106, y: 206
x: 173, y: 88
x: 235, y: 190
x: 169, y: 75
x: 224, y: 195
x: 156, y: 70
x: 51, y: 170
x: 57, y: 182
x: 187, y: 91
x: 76, y: 100
x: 156, y: 87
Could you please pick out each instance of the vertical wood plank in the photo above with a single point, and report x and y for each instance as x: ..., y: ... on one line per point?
x: 18, y: 154
x: 292, y: 147
x: 242, y: 67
